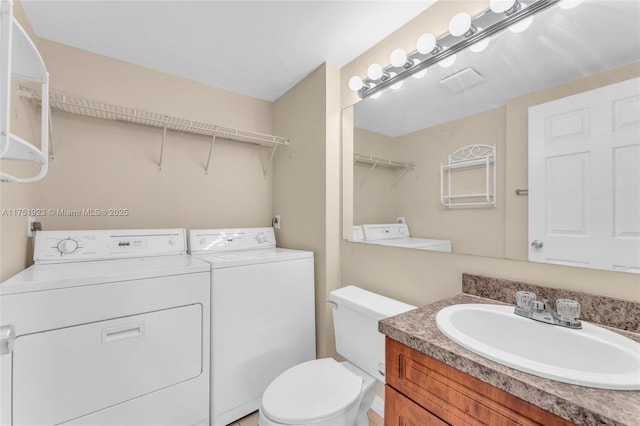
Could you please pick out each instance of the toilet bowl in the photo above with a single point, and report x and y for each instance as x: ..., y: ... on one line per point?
x: 321, y: 392
x: 325, y: 392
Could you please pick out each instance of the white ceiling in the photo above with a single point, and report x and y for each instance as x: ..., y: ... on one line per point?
x: 256, y: 48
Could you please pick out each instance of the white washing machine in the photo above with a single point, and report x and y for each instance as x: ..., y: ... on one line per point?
x: 262, y: 314
x: 397, y: 235
x: 107, y: 328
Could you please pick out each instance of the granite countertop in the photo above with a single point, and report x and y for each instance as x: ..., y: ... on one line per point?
x: 581, y: 405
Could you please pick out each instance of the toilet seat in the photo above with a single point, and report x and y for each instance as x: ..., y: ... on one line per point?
x: 311, y: 391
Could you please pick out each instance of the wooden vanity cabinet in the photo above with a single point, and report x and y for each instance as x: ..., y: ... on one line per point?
x: 422, y: 391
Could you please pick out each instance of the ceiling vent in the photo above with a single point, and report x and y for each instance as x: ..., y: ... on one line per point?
x: 462, y: 80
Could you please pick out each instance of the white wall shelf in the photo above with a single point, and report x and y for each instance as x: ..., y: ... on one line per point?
x: 382, y: 162
x: 20, y: 59
x: 79, y: 105
x: 467, y: 157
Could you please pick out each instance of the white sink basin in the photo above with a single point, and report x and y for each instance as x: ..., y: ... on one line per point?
x: 591, y: 356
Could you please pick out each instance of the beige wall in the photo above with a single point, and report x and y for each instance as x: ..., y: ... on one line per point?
x: 100, y: 164
x: 420, y: 277
x: 376, y: 188
x: 386, y: 194
x: 307, y: 186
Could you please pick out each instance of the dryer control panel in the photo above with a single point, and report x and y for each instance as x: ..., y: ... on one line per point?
x: 73, y: 246
x: 385, y: 231
x: 231, y: 239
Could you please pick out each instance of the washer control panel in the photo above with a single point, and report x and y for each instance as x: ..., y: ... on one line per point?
x: 385, y: 231
x: 70, y: 246
x: 231, y: 239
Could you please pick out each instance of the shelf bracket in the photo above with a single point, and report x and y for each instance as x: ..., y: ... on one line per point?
x: 164, y: 135
x: 364, y: 179
x: 399, y: 178
x: 213, y: 141
x: 266, y: 166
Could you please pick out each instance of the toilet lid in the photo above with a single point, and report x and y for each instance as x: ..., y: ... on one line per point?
x: 310, y: 391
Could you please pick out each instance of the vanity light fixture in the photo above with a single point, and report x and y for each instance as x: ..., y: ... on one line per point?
x: 519, y: 27
x: 399, y: 59
x: 427, y: 44
x: 461, y: 26
x: 480, y: 46
x: 504, y: 6
x: 375, y: 72
x: 448, y: 61
x: 464, y: 31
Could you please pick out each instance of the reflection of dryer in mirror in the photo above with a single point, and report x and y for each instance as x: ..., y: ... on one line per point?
x: 357, y: 233
x: 398, y: 235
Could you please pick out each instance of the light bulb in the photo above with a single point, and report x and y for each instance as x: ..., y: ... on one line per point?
x: 375, y: 95
x: 398, y: 84
x: 355, y: 83
x: 426, y: 43
x: 502, y: 6
x: 569, y: 4
x: 448, y: 61
x: 460, y: 24
x: 420, y: 73
x: 374, y: 72
x: 520, y: 26
x: 479, y: 46
x: 398, y: 58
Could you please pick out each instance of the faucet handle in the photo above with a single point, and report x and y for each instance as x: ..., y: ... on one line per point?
x: 568, y: 309
x: 525, y: 299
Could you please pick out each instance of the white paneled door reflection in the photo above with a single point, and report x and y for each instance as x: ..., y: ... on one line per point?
x: 584, y: 179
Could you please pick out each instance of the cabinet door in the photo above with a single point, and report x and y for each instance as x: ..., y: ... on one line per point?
x: 455, y: 396
x: 401, y: 411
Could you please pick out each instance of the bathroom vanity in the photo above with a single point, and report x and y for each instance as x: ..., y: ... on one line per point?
x: 447, y: 396
x: 432, y: 380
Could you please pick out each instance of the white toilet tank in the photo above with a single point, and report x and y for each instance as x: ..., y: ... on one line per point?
x: 356, y: 313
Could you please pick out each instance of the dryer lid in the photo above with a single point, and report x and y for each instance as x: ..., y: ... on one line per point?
x: 311, y: 391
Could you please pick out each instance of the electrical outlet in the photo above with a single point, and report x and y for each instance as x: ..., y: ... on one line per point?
x: 30, y: 223
x: 276, y: 221
x: 401, y: 219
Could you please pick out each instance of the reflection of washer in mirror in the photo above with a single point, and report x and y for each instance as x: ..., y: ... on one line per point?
x: 397, y: 235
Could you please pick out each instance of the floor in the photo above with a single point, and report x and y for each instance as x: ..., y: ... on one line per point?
x: 252, y: 420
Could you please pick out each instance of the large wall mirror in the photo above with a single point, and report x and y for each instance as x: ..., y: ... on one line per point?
x: 403, y: 137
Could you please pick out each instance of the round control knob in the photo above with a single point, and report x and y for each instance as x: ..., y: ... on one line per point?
x: 261, y: 238
x: 67, y: 246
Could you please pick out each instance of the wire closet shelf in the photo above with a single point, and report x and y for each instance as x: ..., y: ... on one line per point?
x: 79, y: 105
x: 98, y: 109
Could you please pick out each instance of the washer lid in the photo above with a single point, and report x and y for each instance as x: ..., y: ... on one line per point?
x: 311, y: 391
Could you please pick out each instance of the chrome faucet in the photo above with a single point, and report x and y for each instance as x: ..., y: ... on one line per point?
x: 566, y: 313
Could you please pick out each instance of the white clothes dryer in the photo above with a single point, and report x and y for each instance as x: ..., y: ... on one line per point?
x: 107, y: 328
x: 397, y: 235
x: 262, y: 314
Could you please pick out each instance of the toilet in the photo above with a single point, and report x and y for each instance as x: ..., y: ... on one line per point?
x: 325, y: 392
